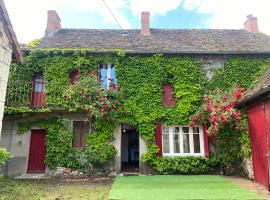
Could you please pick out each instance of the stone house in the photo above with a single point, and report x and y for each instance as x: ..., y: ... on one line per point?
x: 9, y: 49
x: 210, y: 48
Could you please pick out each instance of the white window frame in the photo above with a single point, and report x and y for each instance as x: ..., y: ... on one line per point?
x: 191, y: 143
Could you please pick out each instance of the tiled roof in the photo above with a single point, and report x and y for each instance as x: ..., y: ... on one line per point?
x: 258, y: 88
x: 160, y: 40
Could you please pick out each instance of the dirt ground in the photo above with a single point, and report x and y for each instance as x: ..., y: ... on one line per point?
x: 251, y: 186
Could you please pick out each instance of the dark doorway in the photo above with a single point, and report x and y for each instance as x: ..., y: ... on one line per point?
x: 130, y: 149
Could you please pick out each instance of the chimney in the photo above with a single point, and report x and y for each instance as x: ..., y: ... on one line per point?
x: 53, y: 22
x: 251, y: 24
x: 145, y: 23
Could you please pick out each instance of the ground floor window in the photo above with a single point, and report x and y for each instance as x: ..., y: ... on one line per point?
x: 80, y: 131
x: 182, y: 141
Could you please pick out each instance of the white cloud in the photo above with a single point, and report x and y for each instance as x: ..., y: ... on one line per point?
x: 232, y: 13
x: 154, y: 6
x: 29, y: 17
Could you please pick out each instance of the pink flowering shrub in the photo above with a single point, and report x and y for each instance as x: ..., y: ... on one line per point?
x: 227, y: 128
x: 219, y: 112
x: 88, y: 95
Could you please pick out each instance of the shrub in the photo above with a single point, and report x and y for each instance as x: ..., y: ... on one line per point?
x: 4, y: 155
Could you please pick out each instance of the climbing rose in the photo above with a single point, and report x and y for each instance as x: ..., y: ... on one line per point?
x: 219, y: 112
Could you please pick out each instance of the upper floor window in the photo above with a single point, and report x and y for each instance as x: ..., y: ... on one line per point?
x: 182, y: 141
x: 168, y: 98
x: 107, y: 75
x: 74, y: 76
x: 81, y: 130
x: 38, y: 90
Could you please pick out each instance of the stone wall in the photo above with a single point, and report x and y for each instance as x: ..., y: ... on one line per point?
x: 5, y: 60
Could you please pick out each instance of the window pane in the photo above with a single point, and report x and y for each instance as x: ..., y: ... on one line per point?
x: 176, y: 129
x: 166, y: 146
x: 39, y: 82
x: 165, y: 130
x: 103, y: 75
x: 113, y: 74
x: 185, y: 129
x: 196, y: 130
x: 76, y: 141
x: 186, y: 143
x: 176, y: 144
x: 81, y: 130
x: 86, y: 130
x: 196, y: 140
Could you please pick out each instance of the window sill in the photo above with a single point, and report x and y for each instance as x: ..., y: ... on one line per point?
x: 183, y: 154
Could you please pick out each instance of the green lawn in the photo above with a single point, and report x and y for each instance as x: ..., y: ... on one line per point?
x: 177, y: 187
x: 53, y: 189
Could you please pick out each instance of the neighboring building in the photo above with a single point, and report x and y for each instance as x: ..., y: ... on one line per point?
x: 210, y: 47
x: 9, y: 48
x: 257, y: 103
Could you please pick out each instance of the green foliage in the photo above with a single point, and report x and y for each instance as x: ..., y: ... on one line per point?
x: 98, y: 140
x: 4, y: 155
x: 183, y: 165
x: 58, y: 139
x: 60, y: 153
x: 32, y: 44
x: 141, y: 79
x: 88, y: 95
x: 238, y: 70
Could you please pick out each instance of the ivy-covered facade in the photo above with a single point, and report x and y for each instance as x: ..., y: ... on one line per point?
x: 121, y: 109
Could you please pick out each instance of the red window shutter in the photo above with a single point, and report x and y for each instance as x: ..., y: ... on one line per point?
x: 168, y: 99
x: 206, y: 142
x: 159, y: 138
x: 74, y: 77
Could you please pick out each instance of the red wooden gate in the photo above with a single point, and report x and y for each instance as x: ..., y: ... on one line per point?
x: 259, y: 125
x: 37, y: 152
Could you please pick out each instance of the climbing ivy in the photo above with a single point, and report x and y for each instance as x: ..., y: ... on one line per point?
x: 238, y: 70
x: 141, y: 79
x: 59, y: 151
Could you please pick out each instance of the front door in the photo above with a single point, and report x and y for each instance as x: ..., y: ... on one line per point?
x: 37, y: 152
x: 130, y: 150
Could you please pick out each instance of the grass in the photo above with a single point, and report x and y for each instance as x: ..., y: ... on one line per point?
x: 55, y: 189
x: 177, y: 187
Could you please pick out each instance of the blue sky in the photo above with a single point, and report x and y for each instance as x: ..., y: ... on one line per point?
x: 29, y: 16
x: 177, y: 18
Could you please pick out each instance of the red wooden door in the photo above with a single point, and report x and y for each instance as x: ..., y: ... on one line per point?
x: 37, y: 152
x: 258, y: 138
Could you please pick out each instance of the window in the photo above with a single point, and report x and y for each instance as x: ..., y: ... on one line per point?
x: 80, y: 131
x: 38, y: 91
x: 168, y: 98
x: 107, y: 75
x: 74, y: 77
x: 182, y: 141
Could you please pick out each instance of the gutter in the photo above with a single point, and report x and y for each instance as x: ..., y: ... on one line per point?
x: 153, y: 52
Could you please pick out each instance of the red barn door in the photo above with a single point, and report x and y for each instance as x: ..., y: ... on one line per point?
x: 258, y: 137
x: 37, y: 152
